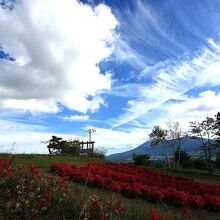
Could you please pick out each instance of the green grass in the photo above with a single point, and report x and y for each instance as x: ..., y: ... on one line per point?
x: 45, y: 161
x: 138, y: 209
x: 135, y: 208
x: 198, y: 175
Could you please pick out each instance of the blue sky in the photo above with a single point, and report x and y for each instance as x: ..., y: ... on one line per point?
x: 118, y: 66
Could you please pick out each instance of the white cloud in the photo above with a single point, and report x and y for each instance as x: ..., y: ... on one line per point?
x: 57, y: 45
x: 172, y: 81
x: 30, y: 138
x: 32, y: 105
x: 125, y: 53
x: 27, y: 138
x: 76, y: 118
x: 119, y: 141
x: 195, y: 108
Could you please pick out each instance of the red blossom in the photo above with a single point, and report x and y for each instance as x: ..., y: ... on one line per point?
x: 186, y: 211
x: 151, y: 185
x: 8, y: 173
x: 35, y: 170
x: 9, y: 162
x: 95, y: 202
x: 104, y: 216
x: 154, y: 215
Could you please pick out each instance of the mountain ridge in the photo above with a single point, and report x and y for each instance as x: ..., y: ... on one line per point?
x: 189, y: 144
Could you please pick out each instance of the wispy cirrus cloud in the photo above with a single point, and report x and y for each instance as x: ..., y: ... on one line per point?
x: 76, y: 118
x: 173, y: 80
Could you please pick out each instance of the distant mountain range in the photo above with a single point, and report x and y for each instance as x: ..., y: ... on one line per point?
x: 190, y: 145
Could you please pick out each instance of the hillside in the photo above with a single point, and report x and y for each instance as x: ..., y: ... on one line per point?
x: 43, y: 179
x: 190, y: 145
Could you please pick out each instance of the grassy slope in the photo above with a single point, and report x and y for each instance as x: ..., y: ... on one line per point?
x: 45, y: 161
x: 197, y: 175
x: 136, y: 208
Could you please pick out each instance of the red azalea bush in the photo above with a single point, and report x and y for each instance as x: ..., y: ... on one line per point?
x: 155, y: 215
x: 28, y: 194
x: 144, y: 183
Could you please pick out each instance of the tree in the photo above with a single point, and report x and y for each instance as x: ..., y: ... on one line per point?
x: 159, y: 136
x: 176, y: 134
x: 56, y: 145
x: 217, y: 133
x: 182, y: 157
x: 205, y: 133
x: 143, y: 159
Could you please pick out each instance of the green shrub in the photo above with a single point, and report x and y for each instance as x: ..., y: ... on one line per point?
x: 200, y: 164
x: 182, y: 156
x: 99, y: 152
x: 143, y: 160
x: 72, y: 148
x: 217, y: 163
x: 188, y: 164
x: 63, y: 146
x: 158, y: 164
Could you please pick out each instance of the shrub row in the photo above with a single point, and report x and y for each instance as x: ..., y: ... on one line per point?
x: 151, y: 185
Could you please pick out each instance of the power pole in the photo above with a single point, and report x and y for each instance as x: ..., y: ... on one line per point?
x: 91, y: 130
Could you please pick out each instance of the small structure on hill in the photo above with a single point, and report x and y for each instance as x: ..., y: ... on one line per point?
x: 57, y: 146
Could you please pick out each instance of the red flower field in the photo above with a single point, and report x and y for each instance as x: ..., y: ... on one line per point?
x: 27, y: 193
x: 148, y: 184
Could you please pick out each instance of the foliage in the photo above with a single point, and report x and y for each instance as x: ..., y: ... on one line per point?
x: 200, y: 164
x: 57, y: 145
x: 217, y: 134
x: 159, y: 136
x: 217, y: 163
x: 205, y: 132
x: 148, y: 184
x: 176, y: 134
x: 188, y: 164
x: 27, y: 194
x: 155, y: 215
x: 182, y: 157
x: 72, y: 148
x: 98, y: 153
x: 141, y: 159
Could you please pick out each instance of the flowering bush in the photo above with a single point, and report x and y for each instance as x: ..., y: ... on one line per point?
x: 144, y: 183
x: 27, y: 194
x: 155, y: 215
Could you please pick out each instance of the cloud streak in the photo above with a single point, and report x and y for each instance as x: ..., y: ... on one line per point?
x: 76, y: 118
x: 173, y: 80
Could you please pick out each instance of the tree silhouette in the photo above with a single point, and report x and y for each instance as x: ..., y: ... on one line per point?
x: 159, y: 136
x: 205, y: 133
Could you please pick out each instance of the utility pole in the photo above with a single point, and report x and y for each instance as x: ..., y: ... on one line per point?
x: 91, y: 130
